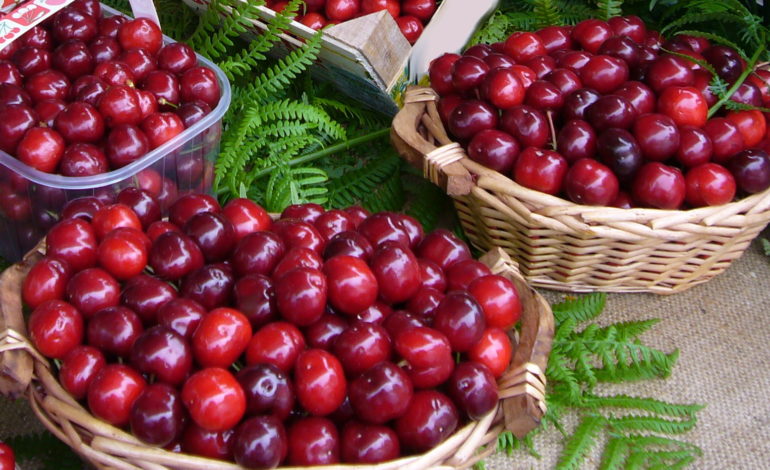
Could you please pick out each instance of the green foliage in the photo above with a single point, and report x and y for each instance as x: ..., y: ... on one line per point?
x: 44, y: 451
x: 766, y: 246
x: 634, y: 431
x: 358, y: 186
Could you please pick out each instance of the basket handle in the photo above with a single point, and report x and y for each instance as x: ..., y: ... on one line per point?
x: 522, y: 386
x: 16, y: 366
x: 441, y: 165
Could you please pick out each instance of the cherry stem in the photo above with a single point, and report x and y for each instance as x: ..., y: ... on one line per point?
x: 549, y: 114
x: 746, y: 72
x: 165, y: 102
x: 348, y: 144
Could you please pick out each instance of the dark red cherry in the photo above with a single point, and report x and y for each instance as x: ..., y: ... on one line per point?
x: 83, y: 160
x: 576, y: 140
x: 80, y: 122
x: 104, y: 48
x: 751, y: 169
x: 74, y: 59
x: 31, y: 60
x: 659, y: 186
x: 125, y: 144
x: 494, y: 149
x: 576, y: 102
x: 610, y: 111
x: 430, y: 418
x: 471, y: 117
x: 527, y: 124
x: 618, y: 149
x: 621, y: 47
x: 657, y: 136
x: 725, y: 60
x: 590, y: 34
x: 639, y: 95
x: 71, y: 23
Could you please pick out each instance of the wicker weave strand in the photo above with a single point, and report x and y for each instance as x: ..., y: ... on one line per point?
x: 520, y: 409
x: 566, y: 246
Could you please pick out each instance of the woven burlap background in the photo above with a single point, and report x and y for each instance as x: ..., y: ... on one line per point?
x: 722, y: 330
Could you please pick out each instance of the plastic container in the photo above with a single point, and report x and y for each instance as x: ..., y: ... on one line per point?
x: 30, y: 200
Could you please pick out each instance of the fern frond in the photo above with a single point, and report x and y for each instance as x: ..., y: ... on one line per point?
x: 614, y: 455
x: 639, y: 403
x: 280, y: 75
x: 359, y: 184
x: 580, y: 309
x: 645, y: 363
x: 427, y: 202
x: 248, y: 57
x: 224, y: 21
x: 719, y: 6
x: 546, y: 13
x: 581, y: 442
x: 389, y: 196
x: 606, y: 9
x: 361, y: 116
x: 654, y: 424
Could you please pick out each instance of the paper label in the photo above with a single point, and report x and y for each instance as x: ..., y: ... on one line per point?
x: 26, y: 16
x: 145, y: 9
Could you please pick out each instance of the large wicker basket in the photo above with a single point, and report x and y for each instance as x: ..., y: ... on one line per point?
x: 24, y: 371
x: 565, y: 246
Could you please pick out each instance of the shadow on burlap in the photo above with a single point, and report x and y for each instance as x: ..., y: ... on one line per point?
x: 722, y: 331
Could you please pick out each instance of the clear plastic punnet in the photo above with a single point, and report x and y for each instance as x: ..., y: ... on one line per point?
x: 31, y: 200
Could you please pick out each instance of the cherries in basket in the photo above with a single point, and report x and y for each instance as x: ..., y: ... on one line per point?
x: 608, y: 113
x: 321, y: 337
x: 83, y: 94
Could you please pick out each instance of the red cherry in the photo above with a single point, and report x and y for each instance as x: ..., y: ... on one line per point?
x: 71, y: 23
x: 527, y: 124
x: 301, y: 295
x: 313, y: 20
x: 411, y: 27
x: 591, y: 183
x: 668, y: 71
x: 657, y: 136
x: 709, y: 184
x: 542, y: 170
x: 141, y: 33
x: 576, y: 140
x: 320, y: 382
x: 104, y: 48
x: 397, y: 272
x: 83, y: 160
x: 214, y: 398
x: 139, y: 62
x: 72, y: 241
x: 503, y: 88
x: 46, y: 280
x: 590, y: 34
x: 725, y: 138
x: 268, y: 390
x: 555, y: 38
x: 368, y: 443
x: 695, y: 147
x: 440, y: 73
x: 91, y: 290
x: 498, y: 299
x: 604, y: 73
x: 443, y: 248
x: 56, y: 328
x: 78, y: 369
x: 494, y: 149
x: 381, y: 394
x: 114, y: 72
x: 751, y: 124
x: 313, y: 441
x: 221, y: 337
x: 341, y: 10
x: 164, y: 86
x: 631, y: 26
x: 161, y: 127
x: 494, y: 350
x: 659, y: 186
x: 361, y: 346
x: 523, y: 46
x: 200, y: 83
x: 164, y: 354
x: 430, y: 418
x: 113, y: 391
x: 211, y: 444
x: 751, y: 169
x: 352, y: 285
x: 41, y: 148
x: 685, y: 105
x: 278, y: 343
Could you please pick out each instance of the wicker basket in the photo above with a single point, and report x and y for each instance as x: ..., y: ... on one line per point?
x: 565, y: 246
x: 24, y: 371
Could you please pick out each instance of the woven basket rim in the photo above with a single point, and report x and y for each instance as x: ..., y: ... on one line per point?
x: 24, y: 371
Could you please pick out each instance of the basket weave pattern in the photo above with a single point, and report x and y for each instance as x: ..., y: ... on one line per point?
x: 565, y: 246
x: 24, y: 371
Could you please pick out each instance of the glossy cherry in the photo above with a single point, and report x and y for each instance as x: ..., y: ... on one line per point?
x: 113, y: 391
x: 78, y: 369
x: 320, y: 382
x: 157, y: 415
x: 397, y: 272
x: 55, y: 328
x: 659, y: 186
x: 381, y: 394
x: 527, y: 124
x: 278, y: 343
x: 268, y: 390
x: 751, y: 169
x: 709, y: 184
x: 214, y: 398
x: 542, y: 170
x: 221, y: 337
x: 618, y: 149
x: 494, y: 350
x: 430, y: 418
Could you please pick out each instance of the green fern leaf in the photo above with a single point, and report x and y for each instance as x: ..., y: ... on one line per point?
x: 651, y: 424
x: 249, y: 57
x: 606, y: 9
x: 546, y: 12
x: 639, y: 403
x: 581, y: 442
x: 224, y: 21
x: 387, y: 197
x: 581, y: 309
x: 277, y: 77
x: 614, y: 455
x: 358, y: 185
x: 428, y: 203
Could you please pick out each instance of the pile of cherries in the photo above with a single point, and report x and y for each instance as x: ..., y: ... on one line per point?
x: 608, y: 113
x: 321, y: 337
x: 410, y: 15
x: 82, y: 94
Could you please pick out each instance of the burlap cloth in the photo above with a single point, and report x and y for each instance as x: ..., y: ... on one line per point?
x: 722, y: 330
